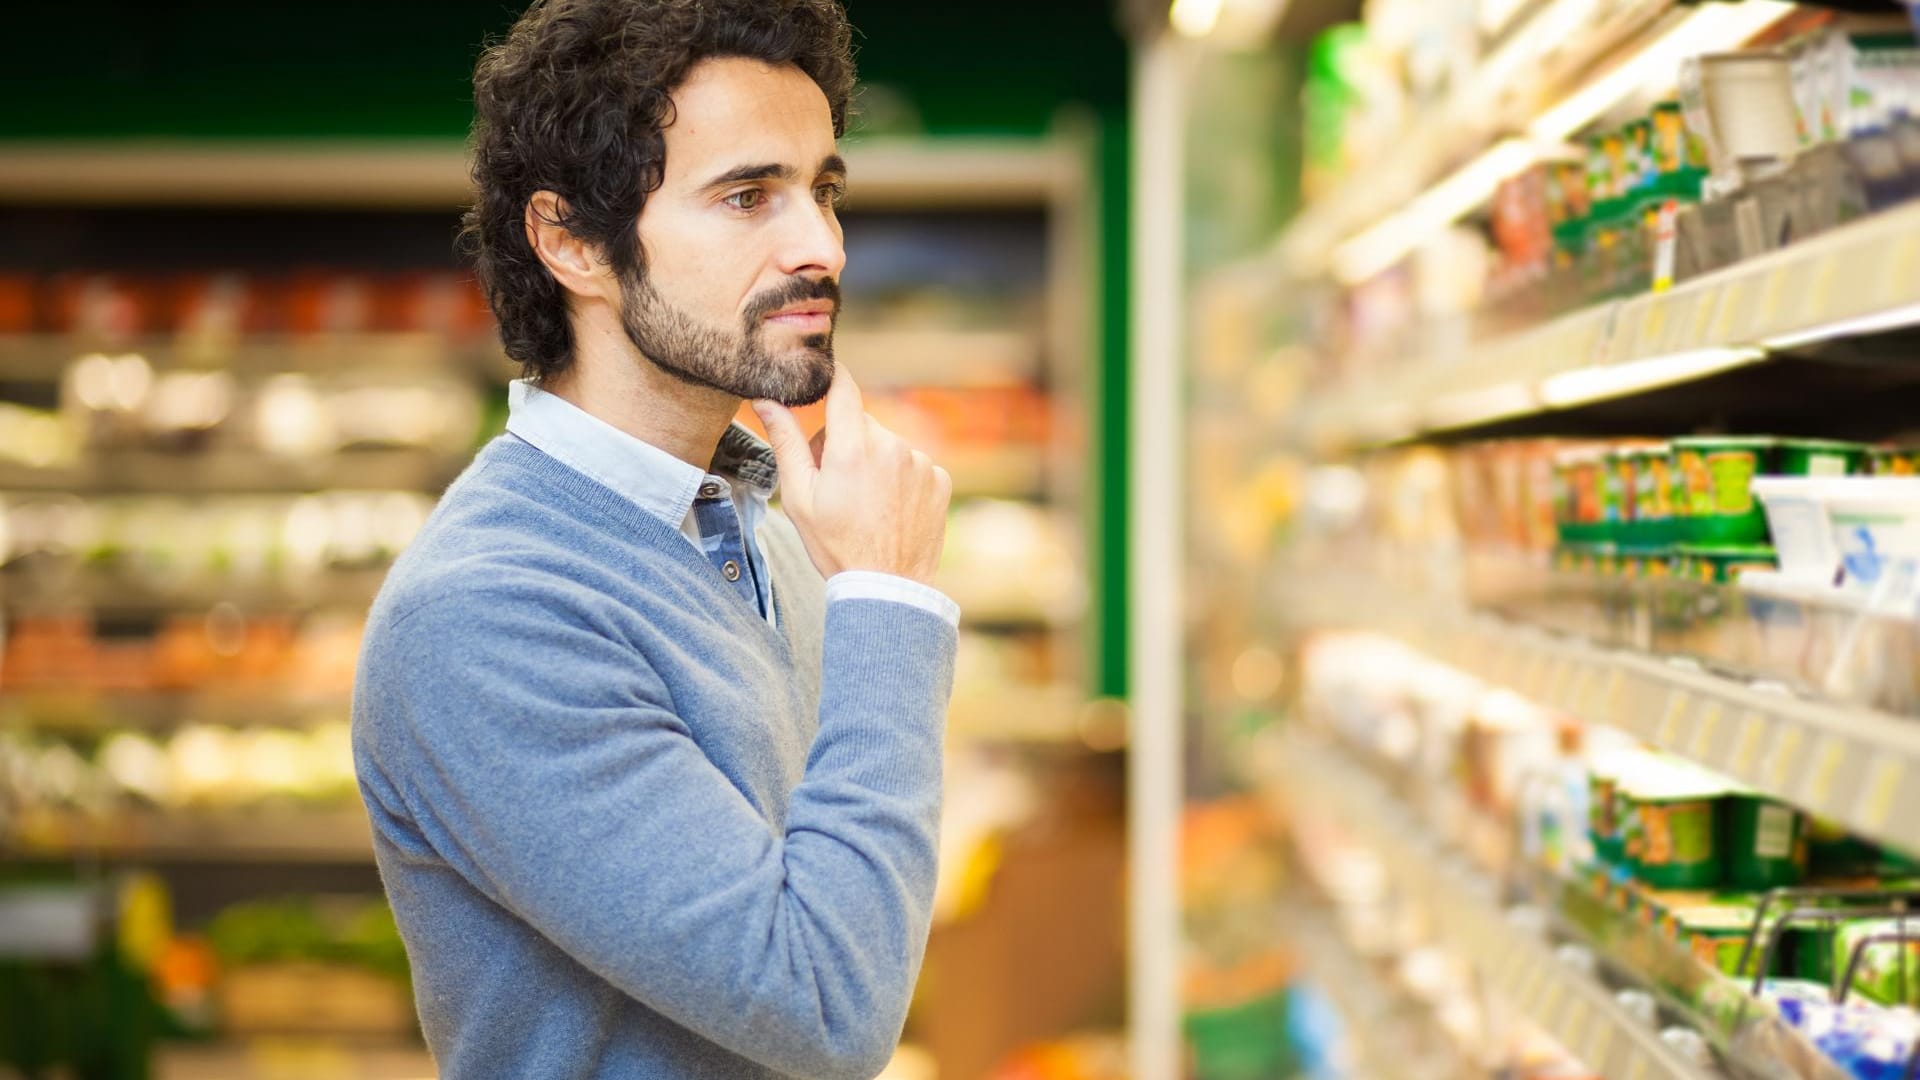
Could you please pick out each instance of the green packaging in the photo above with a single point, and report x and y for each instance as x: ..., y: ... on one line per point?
x: 1604, y: 805
x: 1653, y: 517
x: 1811, y: 946
x: 1671, y: 826
x: 1834, y: 852
x: 1889, y: 971
x: 1717, y: 935
x: 1765, y: 843
x: 1717, y: 476
x: 1822, y: 457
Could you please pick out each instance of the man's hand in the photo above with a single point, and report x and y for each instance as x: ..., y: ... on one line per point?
x: 861, y: 498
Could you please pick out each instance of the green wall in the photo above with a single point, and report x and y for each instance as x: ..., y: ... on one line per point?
x: 401, y: 68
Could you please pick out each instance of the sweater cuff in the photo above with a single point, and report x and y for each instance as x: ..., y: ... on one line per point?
x: 873, y: 585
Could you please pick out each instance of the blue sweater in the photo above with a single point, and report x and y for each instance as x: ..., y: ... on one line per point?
x: 629, y: 829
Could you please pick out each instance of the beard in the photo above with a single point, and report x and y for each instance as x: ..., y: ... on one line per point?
x: 738, y: 361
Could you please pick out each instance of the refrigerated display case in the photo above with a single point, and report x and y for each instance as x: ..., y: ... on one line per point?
x: 1549, y: 583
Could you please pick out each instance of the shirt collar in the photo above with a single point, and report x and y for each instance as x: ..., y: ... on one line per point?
x: 654, y: 480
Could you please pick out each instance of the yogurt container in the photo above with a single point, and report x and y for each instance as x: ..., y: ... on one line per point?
x: 1765, y: 841
x: 1821, y: 457
x: 1671, y: 825
x: 1717, y: 474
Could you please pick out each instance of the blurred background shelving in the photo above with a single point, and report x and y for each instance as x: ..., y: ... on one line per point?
x: 238, y: 363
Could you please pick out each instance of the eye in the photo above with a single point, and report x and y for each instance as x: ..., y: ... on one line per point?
x: 830, y: 194
x: 748, y: 200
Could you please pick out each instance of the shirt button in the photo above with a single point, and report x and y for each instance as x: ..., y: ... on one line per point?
x: 709, y: 491
x: 731, y: 571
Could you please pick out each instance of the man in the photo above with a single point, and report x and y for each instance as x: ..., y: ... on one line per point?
x: 654, y: 773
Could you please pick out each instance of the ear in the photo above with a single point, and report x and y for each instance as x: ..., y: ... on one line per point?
x: 573, y: 262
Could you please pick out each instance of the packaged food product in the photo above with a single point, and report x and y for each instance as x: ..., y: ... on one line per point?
x: 1718, y: 475
x: 1889, y: 970
x: 1579, y: 495
x: 1894, y: 461
x: 1671, y: 825
x: 1716, y: 934
x: 1821, y: 457
x: 1765, y: 841
x: 1669, y: 134
x: 1832, y: 851
x: 1653, y: 518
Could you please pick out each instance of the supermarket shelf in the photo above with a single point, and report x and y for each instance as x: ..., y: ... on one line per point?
x: 160, y: 711
x: 331, y: 836
x: 1375, y: 1010
x: 120, y: 594
x: 1859, y: 767
x: 56, y: 592
x: 433, y: 174
x: 1516, y: 961
x: 1504, y: 95
x: 44, y: 357
x: 1860, y: 279
x: 137, y: 472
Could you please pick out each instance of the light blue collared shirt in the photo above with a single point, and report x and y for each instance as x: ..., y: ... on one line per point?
x: 668, y: 488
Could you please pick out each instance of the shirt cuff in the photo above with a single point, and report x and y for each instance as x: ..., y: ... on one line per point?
x: 873, y: 585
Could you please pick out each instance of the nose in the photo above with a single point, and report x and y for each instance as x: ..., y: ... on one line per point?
x: 812, y: 243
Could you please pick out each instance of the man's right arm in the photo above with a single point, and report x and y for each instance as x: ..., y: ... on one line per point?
x: 548, y: 767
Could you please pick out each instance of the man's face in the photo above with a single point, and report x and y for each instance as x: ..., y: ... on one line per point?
x: 741, y: 243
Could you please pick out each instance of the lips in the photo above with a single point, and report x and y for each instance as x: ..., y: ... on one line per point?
x: 815, y: 316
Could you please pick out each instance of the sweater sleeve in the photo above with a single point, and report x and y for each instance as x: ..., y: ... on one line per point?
x: 547, y: 766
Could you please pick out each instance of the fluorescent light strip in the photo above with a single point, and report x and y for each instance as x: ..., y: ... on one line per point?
x: 1546, y: 31
x: 1878, y: 322
x: 1389, y: 240
x: 1466, y: 408
x: 1585, y: 385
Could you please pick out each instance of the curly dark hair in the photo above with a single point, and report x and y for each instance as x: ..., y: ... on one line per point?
x: 573, y: 101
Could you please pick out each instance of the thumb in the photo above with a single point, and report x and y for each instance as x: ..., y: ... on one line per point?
x: 791, y: 450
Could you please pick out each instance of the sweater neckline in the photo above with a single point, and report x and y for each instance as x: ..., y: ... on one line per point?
x: 603, y: 500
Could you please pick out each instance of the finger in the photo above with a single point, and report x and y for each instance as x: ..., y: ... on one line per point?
x: 791, y: 449
x: 846, y: 408
x: 921, y: 462
x: 942, y: 485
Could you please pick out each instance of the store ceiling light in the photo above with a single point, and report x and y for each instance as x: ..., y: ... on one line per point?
x: 1586, y: 385
x: 1711, y: 28
x: 1386, y: 242
x: 1195, y: 18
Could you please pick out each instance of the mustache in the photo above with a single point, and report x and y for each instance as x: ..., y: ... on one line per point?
x: 794, y: 291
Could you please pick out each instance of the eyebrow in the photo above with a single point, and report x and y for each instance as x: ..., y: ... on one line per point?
x: 833, y: 164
